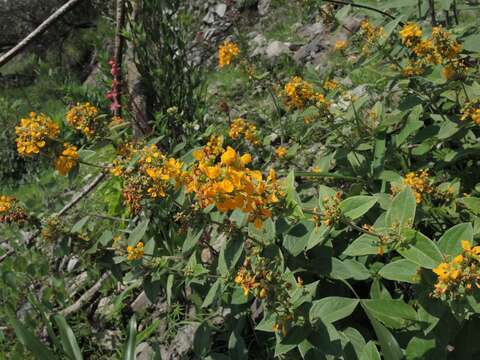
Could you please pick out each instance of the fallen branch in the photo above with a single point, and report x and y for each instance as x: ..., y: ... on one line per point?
x: 52, y: 19
x: 86, y: 297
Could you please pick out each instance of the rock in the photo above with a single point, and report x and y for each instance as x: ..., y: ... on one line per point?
x: 73, y: 263
x: 104, y: 308
x: 110, y: 339
x: 93, y: 78
x: 276, y: 49
x: 209, y: 18
x: 258, y: 45
x: 183, y: 341
x: 310, y: 50
x: 263, y: 7
x: 141, y: 303
x: 220, y: 9
x: 77, y: 284
x: 144, y: 351
x: 310, y: 31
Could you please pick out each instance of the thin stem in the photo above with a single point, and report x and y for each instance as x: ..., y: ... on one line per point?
x: 361, y: 6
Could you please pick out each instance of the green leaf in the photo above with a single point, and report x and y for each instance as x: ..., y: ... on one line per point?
x: 137, y: 234
x: 291, y: 196
x: 80, y: 224
x: 332, y: 308
x: 69, y: 342
x: 130, y: 345
x: 400, y: 270
x: 212, y: 294
x: 169, y: 287
x: 230, y: 253
x: 393, y: 313
x: 236, y: 347
x: 297, y: 238
x: 402, y: 212
x: 30, y: 341
x: 370, y: 352
x: 363, y: 245
x: 420, y: 250
x: 202, y: 340
x: 450, y: 242
x: 348, y: 269
x: 341, y: 14
x: 390, y: 348
x: 356, y: 206
x: 191, y: 240
x: 471, y: 203
x: 418, y: 348
x: 472, y: 43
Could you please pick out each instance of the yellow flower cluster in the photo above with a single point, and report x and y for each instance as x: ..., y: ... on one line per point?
x: 152, y: 175
x: 34, y: 132
x: 281, y: 151
x: 372, y: 34
x: 458, y: 276
x: 240, y: 127
x: 226, y: 53
x: 67, y: 160
x: 340, y: 44
x: 471, y: 111
x: 135, y: 252
x: 229, y: 184
x: 437, y: 49
x: 298, y: 93
x: 419, y: 183
x: 331, y: 212
x: 83, y: 117
x: 10, y: 210
x: 330, y: 84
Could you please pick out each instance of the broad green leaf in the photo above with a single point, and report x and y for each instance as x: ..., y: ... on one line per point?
x: 30, y: 341
x: 348, y: 269
x: 202, y: 340
x: 450, y: 242
x: 420, y: 250
x: 130, y: 345
x: 341, y: 14
x: 193, y: 235
x: 137, y: 234
x: 69, y: 342
x: 355, y: 338
x: 332, y: 308
x: 402, y: 212
x: 471, y: 203
x: 363, y: 245
x: 370, y: 352
x: 393, y: 313
x: 297, y: 238
x: 400, y: 270
x: 212, y: 294
x: 390, y: 348
x: 80, y: 224
x: 236, y: 347
x: 472, y: 43
x: 170, y: 279
x: 419, y: 348
x: 230, y: 253
x: 291, y: 196
x: 356, y: 206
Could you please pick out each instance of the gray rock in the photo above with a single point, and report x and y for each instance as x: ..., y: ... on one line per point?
x: 312, y: 30
x: 209, y: 18
x: 220, y: 9
x: 73, y: 263
x: 309, y: 51
x: 77, y: 284
x: 276, y: 49
x: 141, y: 303
x: 104, y: 308
x: 263, y: 7
x: 144, y: 351
x: 109, y: 339
x: 258, y: 45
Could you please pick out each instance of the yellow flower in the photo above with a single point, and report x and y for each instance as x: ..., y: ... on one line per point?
x: 226, y: 53
x: 5, y: 203
x: 280, y: 151
x: 340, y: 44
x: 135, y: 252
x: 229, y: 156
x: 410, y: 34
x: 34, y: 132
x: 83, y: 117
x: 466, y: 245
x: 67, y: 160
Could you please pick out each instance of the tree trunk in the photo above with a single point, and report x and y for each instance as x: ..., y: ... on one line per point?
x: 118, y: 52
x: 137, y: 98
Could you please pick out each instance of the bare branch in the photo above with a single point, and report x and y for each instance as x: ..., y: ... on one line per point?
x: 52, y: 19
